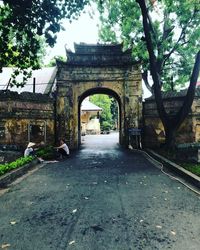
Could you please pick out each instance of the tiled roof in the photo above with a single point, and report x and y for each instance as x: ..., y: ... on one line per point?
x: 45, y: 79
x: 88, y: 106
x: 175, y: 94
x: 99, y: 55
x: 83, y: 48
x: 24, y: 96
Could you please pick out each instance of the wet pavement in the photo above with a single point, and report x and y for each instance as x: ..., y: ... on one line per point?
x: 103, y: 197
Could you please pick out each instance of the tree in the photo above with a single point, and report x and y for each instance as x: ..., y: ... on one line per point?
x: 175, y: 32
x: 171, y: 124
x: 104, y: 102
x: 52, y: 62
x: 114, y: 112
x: 165, y: 44
x: 25, y: 23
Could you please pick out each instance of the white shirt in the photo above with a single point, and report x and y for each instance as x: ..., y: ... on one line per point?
x: 65, y: 147
x: 27, y: 151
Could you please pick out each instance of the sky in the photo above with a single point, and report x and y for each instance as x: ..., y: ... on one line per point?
x: 85, y: 29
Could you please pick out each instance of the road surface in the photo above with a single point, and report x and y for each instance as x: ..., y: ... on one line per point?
x: 102, y: 198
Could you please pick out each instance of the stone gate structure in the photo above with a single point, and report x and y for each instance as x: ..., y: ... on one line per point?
x: 97, y: 69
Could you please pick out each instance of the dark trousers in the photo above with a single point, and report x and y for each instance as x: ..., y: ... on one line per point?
x: 62, y: 152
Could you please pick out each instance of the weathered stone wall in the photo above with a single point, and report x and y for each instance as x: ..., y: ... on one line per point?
x: 19, y: 113
x: 188, y: 132
x: 73, y: 81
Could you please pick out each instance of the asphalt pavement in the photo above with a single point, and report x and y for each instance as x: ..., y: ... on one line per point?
x: 102, y: 198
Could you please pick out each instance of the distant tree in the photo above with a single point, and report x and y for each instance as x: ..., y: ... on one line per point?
x: 104, y: 102
x: 52, y: 62
x: 115, y: 112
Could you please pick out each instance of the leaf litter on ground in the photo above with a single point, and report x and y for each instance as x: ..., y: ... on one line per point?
x: 72, y: 242
x: 5, y: 245
x: 13, y: 222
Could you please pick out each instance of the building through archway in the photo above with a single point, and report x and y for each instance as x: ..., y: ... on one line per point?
x: 89, y: 118
x: 97, y: 69
x: 101, y: 91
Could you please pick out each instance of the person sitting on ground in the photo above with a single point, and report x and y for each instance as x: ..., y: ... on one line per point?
x: 29, y: 151
x: 63, y: 149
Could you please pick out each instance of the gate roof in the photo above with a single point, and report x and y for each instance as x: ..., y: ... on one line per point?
x: 99, y: 55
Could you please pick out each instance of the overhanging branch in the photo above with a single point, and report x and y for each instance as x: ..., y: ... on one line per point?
x: 185, y: 109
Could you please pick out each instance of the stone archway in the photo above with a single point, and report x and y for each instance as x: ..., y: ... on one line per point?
x: 100, y: 90
x: 94, y: 69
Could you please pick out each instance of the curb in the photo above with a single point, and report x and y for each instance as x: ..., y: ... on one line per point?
x: 9, y: 177
x: 192, y: 178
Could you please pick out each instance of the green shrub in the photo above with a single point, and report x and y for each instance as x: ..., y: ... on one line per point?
x: 43, y: 151
x: 106, y: 126
x: 46, y: 153
x: 4, y: 168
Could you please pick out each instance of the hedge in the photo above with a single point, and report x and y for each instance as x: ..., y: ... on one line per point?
x: 4, y: 168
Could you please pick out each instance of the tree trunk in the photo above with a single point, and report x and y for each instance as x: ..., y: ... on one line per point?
x: 170, y: 137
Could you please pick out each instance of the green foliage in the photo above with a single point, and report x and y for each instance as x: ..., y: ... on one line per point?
x: 178, y: 156
x: 24, y: 27
x: 104, y: 102
x: 52, y: 62
x: 46, y: 153
x: 109, y: 114
x: 114, y: 112
x: 175, y: 32
x: 194, y: 168
x: 16, y: 164
x: 105, y: 125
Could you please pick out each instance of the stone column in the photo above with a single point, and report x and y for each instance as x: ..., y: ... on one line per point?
x: 64, y: 112
x: 133, y: 102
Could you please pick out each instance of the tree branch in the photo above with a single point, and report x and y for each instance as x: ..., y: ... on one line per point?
x: 185, y: 109
x: 182, y: 35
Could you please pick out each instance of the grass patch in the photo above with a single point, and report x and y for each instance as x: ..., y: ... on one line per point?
x: 175, y: 156
x: 192, y: 167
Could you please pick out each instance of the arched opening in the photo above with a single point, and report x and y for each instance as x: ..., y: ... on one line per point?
x: 104, y: 91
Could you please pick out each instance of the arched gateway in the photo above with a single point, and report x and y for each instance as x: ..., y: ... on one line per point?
x: 102, y: 69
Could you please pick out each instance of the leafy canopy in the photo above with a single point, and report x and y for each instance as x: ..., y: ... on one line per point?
x: 25, y: 25
x: 108, y: 104
x: 52, y: 62
x: 175, y: 32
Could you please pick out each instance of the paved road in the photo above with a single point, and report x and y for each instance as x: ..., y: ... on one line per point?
x: 103, y: 197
